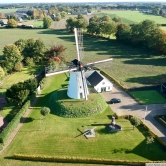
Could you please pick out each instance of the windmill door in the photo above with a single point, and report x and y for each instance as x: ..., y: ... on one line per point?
x: 81, y: 95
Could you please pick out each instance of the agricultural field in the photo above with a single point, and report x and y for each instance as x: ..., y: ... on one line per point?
x: 8, y: 10
x: 132, y: 17
x: 35, y: 23
x: 131, y: 66
x: 57, y: 136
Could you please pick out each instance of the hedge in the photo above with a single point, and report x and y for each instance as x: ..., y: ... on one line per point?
x: 4, y: 135
x: 78, y: 160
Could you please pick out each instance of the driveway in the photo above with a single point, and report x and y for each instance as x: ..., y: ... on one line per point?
x: 146, y: 113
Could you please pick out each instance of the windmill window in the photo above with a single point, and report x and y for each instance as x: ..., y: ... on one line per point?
x: 80, y: 87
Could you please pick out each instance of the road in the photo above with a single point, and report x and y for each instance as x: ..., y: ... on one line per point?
x: 129, y: 106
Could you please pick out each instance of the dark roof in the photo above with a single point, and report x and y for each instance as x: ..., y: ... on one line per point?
x: 95, y: 78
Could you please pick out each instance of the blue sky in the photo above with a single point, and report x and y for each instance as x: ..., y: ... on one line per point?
x: 47, y: 1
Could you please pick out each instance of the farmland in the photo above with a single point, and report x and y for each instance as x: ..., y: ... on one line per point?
x: 132, y: 17
x: 140, y: 68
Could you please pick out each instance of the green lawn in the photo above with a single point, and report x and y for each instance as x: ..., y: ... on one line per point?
x: 148, y: 97
x: 9, y: 10
x: 131, y: 17
x: 130, y: 66
x: 62, y: 137
x: 16, y: 77
x: 36, y: 23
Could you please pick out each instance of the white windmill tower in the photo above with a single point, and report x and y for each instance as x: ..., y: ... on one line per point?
x: 77, y: 87
x: 77, y: 83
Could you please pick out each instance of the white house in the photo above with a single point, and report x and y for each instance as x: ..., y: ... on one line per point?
x: 99, y: 82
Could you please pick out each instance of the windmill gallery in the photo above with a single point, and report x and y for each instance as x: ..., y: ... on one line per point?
x: 80, y: 77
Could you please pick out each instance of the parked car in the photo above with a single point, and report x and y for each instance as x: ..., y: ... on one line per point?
x: 115, y: 100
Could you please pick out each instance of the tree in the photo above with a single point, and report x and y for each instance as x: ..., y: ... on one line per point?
x: 117, y: 19
x: 94, y: 28
x: 135, y: 121
x: 108, y: 27
x: 149, y: 140
x: 11, y: 55
x: 12, y: 23
x: 29, y: 62
x: 21, y: 43
x: 31, y: 84
x: 105, y: 18
x: 56, y: 51
x: 39, y: 50
x: 123, y: 32
x: 28, y: 49
x: 17, y: 94
x: 47, y: 22
x: 45, y: 111
x: 18, y: 66
x: 2, y: 72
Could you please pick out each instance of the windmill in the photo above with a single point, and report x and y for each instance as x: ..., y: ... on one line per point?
x: 77, y: 87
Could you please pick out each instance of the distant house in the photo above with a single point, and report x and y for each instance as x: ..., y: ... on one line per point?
x: 99, y: 82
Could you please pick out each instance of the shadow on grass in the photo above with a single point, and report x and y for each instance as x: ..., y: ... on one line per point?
x: 26, y: 120
x: 148, y: 80
x: 60, y: 32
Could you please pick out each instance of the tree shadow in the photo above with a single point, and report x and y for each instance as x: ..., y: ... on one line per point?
x: 59, y: 32
x: 26, y: 120
x: 148, y: 80
x: 160, y: 61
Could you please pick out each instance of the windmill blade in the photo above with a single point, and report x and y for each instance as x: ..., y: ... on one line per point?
x: 97, y: 62
x: 60, y: 72
x: 79, y: 43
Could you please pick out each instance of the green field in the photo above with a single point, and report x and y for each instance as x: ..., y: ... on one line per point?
x: 35, y: 23
x: 8, y: 10
x: 131, y: 17
x: 132, y: 67
x: 16, y: 77
x: 148, y: 97
x: 62, y: 137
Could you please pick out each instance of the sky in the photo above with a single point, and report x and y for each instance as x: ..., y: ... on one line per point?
x: 54, y: 1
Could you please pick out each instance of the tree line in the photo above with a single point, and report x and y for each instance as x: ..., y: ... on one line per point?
x: 146, y: 33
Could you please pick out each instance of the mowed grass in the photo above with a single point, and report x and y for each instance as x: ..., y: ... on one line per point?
x: 148, y: 97
x: 62, y: 136
x: 131, y: 17
x: 16, y: 77
x: 36, y: 23
x: 132, y: 67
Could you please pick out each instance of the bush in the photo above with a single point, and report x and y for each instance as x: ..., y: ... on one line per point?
x: 13, y: 124
x: 43, y: 83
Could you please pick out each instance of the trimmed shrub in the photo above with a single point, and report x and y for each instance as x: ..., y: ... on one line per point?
x: 13, y: 124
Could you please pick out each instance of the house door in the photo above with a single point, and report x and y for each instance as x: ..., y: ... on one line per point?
x: 103, y: 89
x: 81, y: 95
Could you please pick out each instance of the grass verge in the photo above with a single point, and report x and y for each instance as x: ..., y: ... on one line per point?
x: 148, y: 97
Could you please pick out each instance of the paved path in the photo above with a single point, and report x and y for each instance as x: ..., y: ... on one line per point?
x: 129, y: 106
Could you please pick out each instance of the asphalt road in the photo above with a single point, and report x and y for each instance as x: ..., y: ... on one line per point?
x: 146, y: 113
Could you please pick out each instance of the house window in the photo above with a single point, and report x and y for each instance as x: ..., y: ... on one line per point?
x: 103, y: 83
x: 109, y: 88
